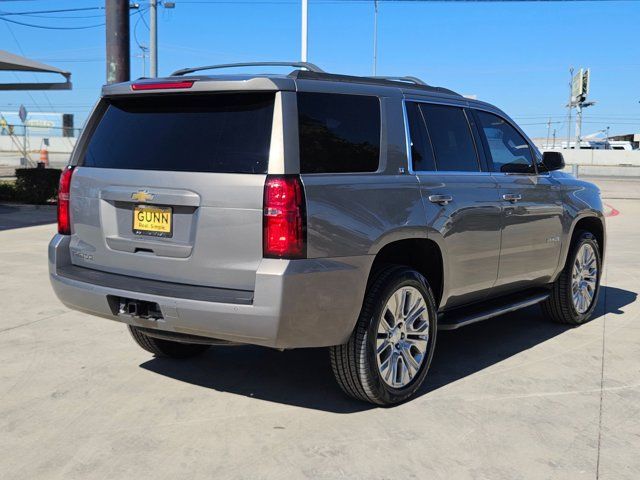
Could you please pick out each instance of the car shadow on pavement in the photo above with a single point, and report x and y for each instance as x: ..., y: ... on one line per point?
x: 303, y: 377
x: 21, y: 216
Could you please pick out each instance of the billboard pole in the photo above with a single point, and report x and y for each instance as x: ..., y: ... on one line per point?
x: 578, y: 125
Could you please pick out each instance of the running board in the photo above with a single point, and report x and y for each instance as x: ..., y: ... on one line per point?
x: 463, y: 316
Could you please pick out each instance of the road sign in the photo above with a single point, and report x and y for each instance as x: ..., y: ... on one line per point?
x: 22, y: 113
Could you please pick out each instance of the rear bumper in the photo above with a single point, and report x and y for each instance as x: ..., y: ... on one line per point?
x: 296, y: 303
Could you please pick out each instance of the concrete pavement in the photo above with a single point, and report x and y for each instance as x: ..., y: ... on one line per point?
x: 513, y: 397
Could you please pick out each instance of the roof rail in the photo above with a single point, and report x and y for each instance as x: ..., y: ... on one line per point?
x: 306, y: 65
x: 402, y: 82
x: 407, y: 79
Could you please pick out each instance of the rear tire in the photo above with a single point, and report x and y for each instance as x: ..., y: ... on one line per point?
x: 389, y: 352
x: 166, y: 348
x: 573, y: 295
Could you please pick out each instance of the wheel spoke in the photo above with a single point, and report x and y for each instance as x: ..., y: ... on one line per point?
x: 412, y: 365
x: 404, y: 302
x: 418, y: 341
x: 382, y: 346
x: 386, y: 368
x: 388, y: 320
x: 403, y: 372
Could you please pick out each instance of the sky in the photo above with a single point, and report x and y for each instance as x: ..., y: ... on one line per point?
x: 515, y: 55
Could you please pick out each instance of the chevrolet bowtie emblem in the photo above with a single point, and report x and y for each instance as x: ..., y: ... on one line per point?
x: 142, y: 196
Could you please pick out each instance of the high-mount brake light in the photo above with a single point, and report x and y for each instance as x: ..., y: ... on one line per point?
x: 284, y: 221
x: 64, y: 188
x: 162, y: 85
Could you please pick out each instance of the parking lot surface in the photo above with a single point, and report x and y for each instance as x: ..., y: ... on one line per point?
x: 513, y: 397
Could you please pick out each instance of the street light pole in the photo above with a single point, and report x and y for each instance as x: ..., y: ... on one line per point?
x: 305, y: 8
x: 375, y: 37
x: 570, y: 106
x: 153, y: 38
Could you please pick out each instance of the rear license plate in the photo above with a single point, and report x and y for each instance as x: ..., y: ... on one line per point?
x: 152, y: 220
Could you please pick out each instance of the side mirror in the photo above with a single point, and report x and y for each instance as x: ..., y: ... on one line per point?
x: 552, y: 161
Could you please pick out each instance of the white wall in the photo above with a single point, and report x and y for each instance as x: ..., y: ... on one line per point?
x: 34, y: 144
x: 601, y: 157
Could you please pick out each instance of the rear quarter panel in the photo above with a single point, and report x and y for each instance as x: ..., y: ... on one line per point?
x: 357, y: 214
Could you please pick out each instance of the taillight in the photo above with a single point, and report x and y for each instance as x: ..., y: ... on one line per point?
x: 162, y: 85
x: 284, y: 218
x: 64, y: 220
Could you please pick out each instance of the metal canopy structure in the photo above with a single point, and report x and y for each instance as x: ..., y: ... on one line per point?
x: 16, y: 63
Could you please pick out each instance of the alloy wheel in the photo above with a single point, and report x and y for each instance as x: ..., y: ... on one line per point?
x: 584, y: 278
x: 402, y: 337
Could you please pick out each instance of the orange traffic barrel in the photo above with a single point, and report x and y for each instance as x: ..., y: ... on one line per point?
x: 44, y: 155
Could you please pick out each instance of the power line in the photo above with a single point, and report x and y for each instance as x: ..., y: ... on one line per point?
x: 50, y: 27
x: 33, y: 12
x: 293, y: 2
x: 47, y: 27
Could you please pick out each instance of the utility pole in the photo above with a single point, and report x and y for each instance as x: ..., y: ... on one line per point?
x: 117, y: 28
x: 570, y: 106
x: 305, y: 11
x: 153, y: 33
x: 546, y: 146
x: 143, y: 56
x: 153, y: 38
x: 554, y: 139
x: 375, y: 37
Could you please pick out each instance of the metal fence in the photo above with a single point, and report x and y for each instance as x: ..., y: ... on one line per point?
x: 27, y: 145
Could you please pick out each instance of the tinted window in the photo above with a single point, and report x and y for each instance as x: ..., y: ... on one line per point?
x: 451, y: 138
x: 338, y: 133
x: 510, y: 152
x: 200, y: 133
x: 421, y: 151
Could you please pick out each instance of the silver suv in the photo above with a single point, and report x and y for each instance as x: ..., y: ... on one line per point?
x: 314, y: 209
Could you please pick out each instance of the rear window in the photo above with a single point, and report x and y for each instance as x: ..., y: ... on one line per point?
x: 225, y: 133
x: 338, y: 133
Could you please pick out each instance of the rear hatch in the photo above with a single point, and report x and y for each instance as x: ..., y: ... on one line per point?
x: 170, y: 187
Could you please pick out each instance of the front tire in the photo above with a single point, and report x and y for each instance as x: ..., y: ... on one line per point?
x: 166, y: 348
x: 389, y: 352
x: 574, y: 294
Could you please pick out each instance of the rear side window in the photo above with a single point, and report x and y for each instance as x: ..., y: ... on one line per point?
x: 510, y: 152
x: 225, y: 133
x: 421, y: 151
x: 451, y: 138
x: 338, y: 133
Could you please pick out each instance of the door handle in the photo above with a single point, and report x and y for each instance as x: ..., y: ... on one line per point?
x: 441, y: 199
x: 512, y: 197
